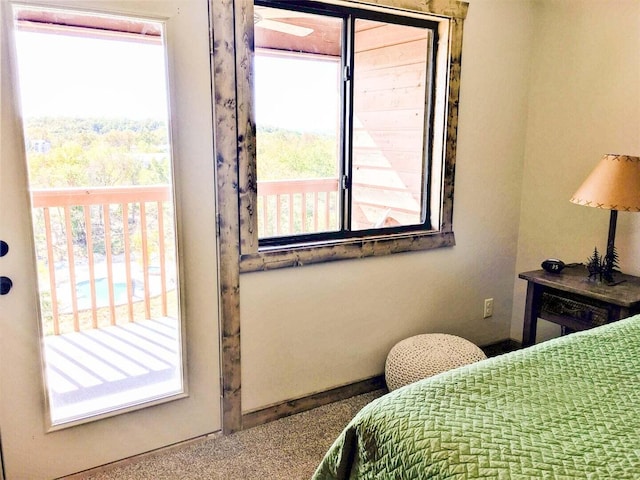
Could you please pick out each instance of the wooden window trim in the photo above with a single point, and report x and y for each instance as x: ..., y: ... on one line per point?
x: 450, y: 16
x: 231, y: 88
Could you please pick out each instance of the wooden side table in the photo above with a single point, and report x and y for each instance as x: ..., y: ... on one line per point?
x: 571, y: 300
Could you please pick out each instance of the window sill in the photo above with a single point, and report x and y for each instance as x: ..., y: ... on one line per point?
x: 298, y: 255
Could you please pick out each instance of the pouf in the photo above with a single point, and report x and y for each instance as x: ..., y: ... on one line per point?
x: 423, y: 356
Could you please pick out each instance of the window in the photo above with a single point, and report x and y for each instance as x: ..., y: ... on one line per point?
x: 355, y: 113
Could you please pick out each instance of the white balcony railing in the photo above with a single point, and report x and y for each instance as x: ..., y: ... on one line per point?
x: 107, y: 254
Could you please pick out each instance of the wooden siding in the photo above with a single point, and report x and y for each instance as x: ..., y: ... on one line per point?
x: 390, y: 84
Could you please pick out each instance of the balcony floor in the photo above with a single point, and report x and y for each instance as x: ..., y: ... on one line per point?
x: 97, y: 371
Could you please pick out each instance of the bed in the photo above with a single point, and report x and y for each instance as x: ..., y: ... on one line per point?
x: 568, y: 408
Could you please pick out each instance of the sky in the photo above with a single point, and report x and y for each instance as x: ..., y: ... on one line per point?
x: 297, y: 93
x: 71, y: 76
x: 86, y: 77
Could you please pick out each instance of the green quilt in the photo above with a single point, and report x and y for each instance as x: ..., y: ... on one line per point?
x: 564, y: 409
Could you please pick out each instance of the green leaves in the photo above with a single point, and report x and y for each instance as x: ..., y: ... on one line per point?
x: 96, y: 152
x: 285, y: 154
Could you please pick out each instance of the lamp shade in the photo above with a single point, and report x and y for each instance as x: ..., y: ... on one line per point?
x: 613, y: 185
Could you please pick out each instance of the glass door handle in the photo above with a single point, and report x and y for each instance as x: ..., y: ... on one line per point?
x: 5, y: 285
x: 4, y: 248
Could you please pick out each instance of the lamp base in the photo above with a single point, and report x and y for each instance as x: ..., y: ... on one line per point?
x: 611, y: 239
x: 610, y: 266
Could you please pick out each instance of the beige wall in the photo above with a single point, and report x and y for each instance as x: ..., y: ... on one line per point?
x: 584, y: 102
x: 312, y: 328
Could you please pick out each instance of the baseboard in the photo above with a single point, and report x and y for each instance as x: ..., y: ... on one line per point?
x: 302, y: 404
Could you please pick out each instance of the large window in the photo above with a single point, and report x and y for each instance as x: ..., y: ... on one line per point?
x: 353, y: 133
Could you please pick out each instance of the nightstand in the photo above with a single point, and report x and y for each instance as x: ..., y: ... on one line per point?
x: 572, y: 301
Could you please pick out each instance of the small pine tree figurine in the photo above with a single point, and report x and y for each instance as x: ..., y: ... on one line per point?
x: 602, y: 268
x: 594, y: 264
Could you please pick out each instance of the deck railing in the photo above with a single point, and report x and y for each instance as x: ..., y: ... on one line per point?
x: 288, y: 207
x: 68, y: 219
x: 84, y: 234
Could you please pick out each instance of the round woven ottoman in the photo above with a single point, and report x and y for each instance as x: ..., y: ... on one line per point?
x: 426, y: 355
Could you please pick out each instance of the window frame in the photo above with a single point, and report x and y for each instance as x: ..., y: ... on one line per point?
x: 304, y: 249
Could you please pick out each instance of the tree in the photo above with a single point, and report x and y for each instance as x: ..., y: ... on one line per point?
x: 93, y: 153
x: 285, y: 154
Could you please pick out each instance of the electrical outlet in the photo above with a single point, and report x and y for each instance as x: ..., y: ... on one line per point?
x: 488, y: 307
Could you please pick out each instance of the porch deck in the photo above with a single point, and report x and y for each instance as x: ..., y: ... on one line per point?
x: 94, y: 371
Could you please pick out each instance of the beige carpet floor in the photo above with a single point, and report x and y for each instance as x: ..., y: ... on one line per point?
x: 287, y: 449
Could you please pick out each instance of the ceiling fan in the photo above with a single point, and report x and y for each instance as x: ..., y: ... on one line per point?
x: 265, y: 17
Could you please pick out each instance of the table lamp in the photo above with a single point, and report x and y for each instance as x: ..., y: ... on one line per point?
x: 613, y: 185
